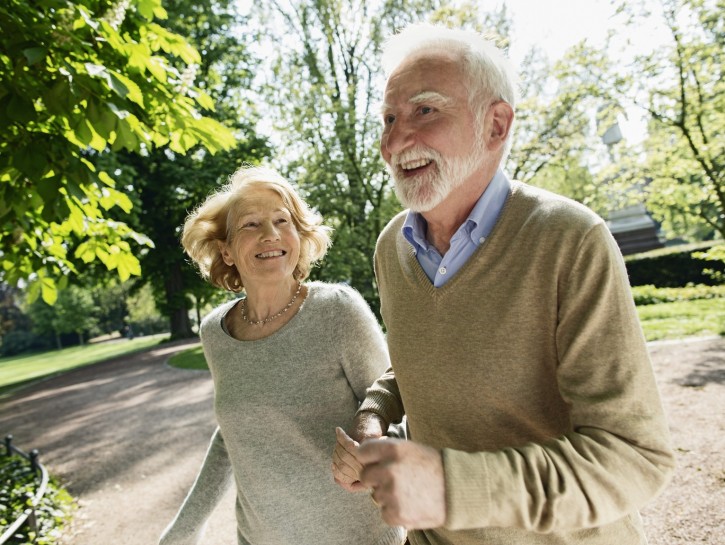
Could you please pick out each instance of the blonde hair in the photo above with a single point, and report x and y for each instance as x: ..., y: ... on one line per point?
x: 214, y: 220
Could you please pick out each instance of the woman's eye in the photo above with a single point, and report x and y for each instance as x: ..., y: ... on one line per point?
x: 388, y: 119
x: 249, y: 224
x: 282, y: 220
x: 426, y: 110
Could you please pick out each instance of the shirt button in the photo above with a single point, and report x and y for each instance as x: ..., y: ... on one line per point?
x: 442, y: 270
x: 481, y: 240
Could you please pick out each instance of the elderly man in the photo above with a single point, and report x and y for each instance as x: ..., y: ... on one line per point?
x: 516, y: 352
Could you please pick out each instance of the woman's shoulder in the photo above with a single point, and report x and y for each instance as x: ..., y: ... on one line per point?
x: 335, y: 293
x: 213, y: 320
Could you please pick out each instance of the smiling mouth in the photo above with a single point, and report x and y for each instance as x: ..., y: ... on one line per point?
x: 274, y: 253
x: 413, y: 166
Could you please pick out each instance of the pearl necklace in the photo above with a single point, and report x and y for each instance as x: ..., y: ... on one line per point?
x: 243, y: 306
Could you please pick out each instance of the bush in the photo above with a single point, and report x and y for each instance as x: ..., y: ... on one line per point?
x: 53, y: 512
x: 19, y: 341
x: 673, y: 267
x: 652, y: 295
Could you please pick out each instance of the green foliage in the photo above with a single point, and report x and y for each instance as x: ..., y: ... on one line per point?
x: 73, y: 312
x: 143, y: 316
x: 716, y: 254
x: 77, y: 79
x: 652, y: 295
x: 671, y: 267
x: 682, y: 88
x: 23, y: 340
x: 54, y: 510
x: 165, y: 187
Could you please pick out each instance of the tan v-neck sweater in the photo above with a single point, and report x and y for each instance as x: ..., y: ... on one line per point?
x: 530, y: 371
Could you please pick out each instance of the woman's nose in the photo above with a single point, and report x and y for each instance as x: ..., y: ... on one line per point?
x: 270, y: 231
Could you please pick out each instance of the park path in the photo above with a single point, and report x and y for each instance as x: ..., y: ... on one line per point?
x: 127, y: 437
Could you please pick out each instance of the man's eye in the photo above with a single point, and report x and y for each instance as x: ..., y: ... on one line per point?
x: 426, y: 110
x: 389, y: 119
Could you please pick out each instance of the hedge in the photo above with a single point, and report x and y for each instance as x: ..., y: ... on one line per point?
x: 651, y: 295
x: 673, y: 267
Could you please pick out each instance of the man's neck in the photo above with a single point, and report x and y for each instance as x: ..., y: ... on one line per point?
x: 445, y: 219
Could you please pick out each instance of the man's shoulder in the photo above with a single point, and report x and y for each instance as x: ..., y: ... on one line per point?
x: 393, y: 228
x: 552, y: 208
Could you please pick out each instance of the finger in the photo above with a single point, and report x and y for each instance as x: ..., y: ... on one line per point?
x: 357, y: 486
x: 342, y: 467
x: 374, y: 451
x: 345, y: 441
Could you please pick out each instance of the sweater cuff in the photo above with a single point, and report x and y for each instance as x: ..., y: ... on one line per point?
x: 382, y: 405
x: 468, y: 490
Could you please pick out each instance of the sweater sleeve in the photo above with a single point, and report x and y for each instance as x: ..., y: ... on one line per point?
x: 617, y: 455
x: 365, y: 355
x: 210, y: 485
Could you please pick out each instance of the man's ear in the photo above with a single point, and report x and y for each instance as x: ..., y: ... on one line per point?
x: 500, y: 118
x: 224, y: 250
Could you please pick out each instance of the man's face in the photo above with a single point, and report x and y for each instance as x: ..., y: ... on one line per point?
x: 429, y: 138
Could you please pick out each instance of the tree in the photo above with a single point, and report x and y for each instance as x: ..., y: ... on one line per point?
x: 72, y: 312
x: 166, y: 186
x: 681, y: 86
x: 322, y: 94
x: 77, y: 79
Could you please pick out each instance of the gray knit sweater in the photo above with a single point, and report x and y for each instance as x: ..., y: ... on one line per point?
x: 277, y: 402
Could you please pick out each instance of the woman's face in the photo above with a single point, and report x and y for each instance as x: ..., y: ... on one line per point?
x: 264, y: 244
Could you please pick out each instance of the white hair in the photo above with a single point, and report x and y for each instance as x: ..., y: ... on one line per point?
x: 490, y: 74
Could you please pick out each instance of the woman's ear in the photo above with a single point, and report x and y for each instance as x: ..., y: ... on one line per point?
x: 500, y: 117
x: 224, y: 251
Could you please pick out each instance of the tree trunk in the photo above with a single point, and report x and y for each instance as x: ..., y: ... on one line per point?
x: 178, y: 305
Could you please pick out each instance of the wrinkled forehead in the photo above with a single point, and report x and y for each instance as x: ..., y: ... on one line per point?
x: 423, y: 77
x: 256, y: 199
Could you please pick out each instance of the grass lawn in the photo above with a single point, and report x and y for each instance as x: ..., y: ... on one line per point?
x: 681, y: 319
x: 193, y: 358
x: 17, y: 370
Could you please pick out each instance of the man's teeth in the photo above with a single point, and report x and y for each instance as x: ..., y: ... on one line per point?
x: 276, y: 253
x: 415, y: 164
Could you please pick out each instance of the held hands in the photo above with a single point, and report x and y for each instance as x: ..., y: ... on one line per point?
x: 405, y: 478
x: 345, y: 466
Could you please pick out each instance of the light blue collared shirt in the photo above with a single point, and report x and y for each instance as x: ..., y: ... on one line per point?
x: 469, y: 236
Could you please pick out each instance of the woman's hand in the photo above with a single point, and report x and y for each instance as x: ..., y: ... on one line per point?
x: 345, y: 466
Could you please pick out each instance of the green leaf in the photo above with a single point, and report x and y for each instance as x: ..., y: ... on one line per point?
x: 48, y: 290
x: 133, y: 92
x: 127, y: 266
x: 21, y: 109
x: 35, y: 54
x: 82, y: 131
x: 28, y: 161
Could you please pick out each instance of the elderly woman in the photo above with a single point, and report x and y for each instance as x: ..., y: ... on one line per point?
x: 290, y: 362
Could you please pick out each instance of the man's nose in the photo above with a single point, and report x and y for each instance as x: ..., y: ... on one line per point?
x: 398, y: 138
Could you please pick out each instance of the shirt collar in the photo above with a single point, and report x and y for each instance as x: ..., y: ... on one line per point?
x: 480, y: 221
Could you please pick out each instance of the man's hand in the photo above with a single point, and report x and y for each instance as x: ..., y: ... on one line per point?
x: 345, y: 466
x: 407, y: 482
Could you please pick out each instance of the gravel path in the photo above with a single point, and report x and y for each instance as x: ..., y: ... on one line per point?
x: 127, y: 437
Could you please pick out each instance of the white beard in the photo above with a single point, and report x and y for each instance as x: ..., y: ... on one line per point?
x: 423, y: 192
